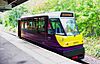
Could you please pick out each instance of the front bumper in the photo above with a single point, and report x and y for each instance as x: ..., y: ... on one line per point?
x: 77, y: 52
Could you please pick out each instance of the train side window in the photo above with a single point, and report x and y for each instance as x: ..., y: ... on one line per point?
x: 25, y: 25
x: 34, y: 26
x: 41, y: 25
x: 22, y: 25
x: 57, y: 27
x: 29, y: 25
x: 50, y: 31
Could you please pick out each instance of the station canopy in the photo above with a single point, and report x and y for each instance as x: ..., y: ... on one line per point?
x: 9, y: 4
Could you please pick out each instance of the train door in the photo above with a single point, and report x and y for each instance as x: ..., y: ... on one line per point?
x: 41, y: 30
x: 54, y: 28
x: 51, y: 40
x: 50, y: 37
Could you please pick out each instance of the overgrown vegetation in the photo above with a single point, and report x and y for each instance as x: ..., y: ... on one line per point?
x: 87, y: 16
x: 92, y: 46
x: 10, y: 17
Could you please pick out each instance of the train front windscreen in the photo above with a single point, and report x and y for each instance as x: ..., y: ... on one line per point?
x: 69, y: 26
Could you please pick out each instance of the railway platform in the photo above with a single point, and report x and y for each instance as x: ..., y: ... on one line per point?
x: 17, y: 51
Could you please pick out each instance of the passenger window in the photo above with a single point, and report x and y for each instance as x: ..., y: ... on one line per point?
x: 34, y: 26
x: 39, y: 25
x: 29, y: 25
x: 50, y: 31
x: 57, y: 28
x: 22, y: 25
x: 25, y: 25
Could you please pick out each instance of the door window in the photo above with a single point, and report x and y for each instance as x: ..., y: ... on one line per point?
x: 57, y: 27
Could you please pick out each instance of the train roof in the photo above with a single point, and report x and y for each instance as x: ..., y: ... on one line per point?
x: 49, y: 14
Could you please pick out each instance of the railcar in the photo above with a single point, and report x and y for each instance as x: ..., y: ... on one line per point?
x: 56, y: 31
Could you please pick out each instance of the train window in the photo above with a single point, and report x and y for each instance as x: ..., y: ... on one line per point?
x: 34, y: 26
x: 57, y: 28
x: 50, y: 31
x: 70, y: 26
x: 22, y: 25
x: 29, y: 25
x: 40, y: 25
x: 25, y: 23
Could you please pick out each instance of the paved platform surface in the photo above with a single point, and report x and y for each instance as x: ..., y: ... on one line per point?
x: 10, y: 54
x: 17, y: 51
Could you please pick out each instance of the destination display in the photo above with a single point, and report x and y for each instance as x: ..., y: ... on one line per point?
x: 66, y: 15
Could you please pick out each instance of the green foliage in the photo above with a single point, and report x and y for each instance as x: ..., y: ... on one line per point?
x: 92, y: 47
x: 89, y: 18
x: 10, y: 17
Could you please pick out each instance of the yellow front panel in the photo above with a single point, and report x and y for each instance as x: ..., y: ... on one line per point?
x: 67, y: 41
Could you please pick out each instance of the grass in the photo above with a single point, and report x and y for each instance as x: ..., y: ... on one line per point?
x: 92, y: 46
